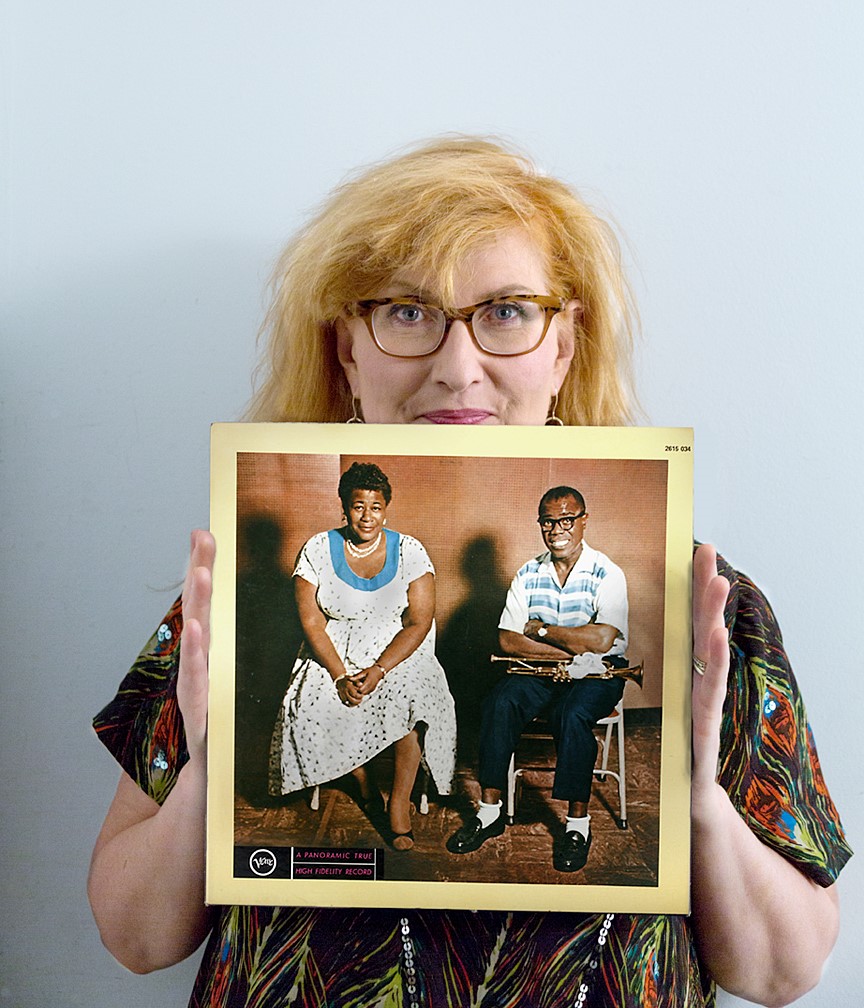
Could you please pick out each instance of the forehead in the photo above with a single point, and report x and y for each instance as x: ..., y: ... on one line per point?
x: 511, y: 262
x: 367, y: 497
x: 560, y: 506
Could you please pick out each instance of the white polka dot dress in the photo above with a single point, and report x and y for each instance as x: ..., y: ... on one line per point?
x: 317, y: 738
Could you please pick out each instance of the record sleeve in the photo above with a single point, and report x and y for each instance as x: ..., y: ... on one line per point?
x: 469, y: 497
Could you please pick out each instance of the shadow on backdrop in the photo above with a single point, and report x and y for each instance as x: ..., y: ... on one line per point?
x: 470, y: 637
x: 268, y: 639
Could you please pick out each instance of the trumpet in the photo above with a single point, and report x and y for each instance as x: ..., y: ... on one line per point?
x: 556, y: 668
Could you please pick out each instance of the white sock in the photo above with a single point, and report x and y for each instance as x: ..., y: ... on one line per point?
x: 579, y: 823
x: 487, y: 814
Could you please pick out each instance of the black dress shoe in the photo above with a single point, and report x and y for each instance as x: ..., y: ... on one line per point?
x: 570, y: 851
x: 474, y: 834
x: 373, y: 806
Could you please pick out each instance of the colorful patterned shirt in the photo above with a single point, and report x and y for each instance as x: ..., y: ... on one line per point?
x: 270, y: 957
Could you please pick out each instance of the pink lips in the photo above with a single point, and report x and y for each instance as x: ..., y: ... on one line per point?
x: 460, y: 416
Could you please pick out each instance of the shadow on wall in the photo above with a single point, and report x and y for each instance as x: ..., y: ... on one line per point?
x: 470, y: 637
x: 268, y: 639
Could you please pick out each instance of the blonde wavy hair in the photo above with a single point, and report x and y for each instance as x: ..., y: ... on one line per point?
x: 423, y: 211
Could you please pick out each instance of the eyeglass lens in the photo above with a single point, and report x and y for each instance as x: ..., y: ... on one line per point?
x: 566, y: 523
x: 506, y: 327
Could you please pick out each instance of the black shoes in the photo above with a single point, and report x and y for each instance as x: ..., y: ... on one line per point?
x: 474, y: 834
x: 570, y: 851
x: 373, y: 806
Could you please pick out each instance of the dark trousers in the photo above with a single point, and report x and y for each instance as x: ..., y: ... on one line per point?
x: 572, y: 709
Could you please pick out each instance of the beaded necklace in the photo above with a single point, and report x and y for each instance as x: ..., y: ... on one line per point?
x: 363, y: 551
x: 408, y: 963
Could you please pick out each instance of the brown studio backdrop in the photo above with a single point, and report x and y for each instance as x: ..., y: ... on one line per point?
x: 477, y: 518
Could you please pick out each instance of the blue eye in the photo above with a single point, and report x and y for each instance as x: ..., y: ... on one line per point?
x: 505, y: 311
x: 507, y: 314
x: 409, y: 314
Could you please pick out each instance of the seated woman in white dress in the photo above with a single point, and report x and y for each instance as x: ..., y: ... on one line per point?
x: 366, y: 677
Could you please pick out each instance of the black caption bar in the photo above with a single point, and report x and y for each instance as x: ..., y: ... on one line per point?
x: 345, y: 863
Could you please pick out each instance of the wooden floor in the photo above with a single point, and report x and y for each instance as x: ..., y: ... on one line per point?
x: 523, y: 854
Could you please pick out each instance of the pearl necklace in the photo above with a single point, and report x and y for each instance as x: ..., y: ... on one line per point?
x: 409, y: 967
x: 363, y: 551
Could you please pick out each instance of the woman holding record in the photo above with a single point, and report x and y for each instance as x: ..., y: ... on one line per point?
x: 457, y: 284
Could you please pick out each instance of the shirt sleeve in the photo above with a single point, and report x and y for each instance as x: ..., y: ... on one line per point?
x: 515, y: 614
x: 768, y: 760
x: 142, y: 727
x: 612, y: 606
x: 415, y: 559
x: 309, y: 562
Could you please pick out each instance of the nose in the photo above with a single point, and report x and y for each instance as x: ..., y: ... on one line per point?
x: 458, y: 362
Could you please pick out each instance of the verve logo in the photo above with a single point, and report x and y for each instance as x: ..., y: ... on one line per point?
x: 262, y: 862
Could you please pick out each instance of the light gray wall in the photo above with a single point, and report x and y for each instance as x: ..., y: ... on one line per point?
x: 156, y: 155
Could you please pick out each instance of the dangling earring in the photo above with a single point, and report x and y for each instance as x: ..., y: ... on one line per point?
x: 553, y: 420
x: 355, y: 416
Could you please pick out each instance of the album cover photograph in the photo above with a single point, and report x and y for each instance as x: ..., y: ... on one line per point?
x: 450, y: 667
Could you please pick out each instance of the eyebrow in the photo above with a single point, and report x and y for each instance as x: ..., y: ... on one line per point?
x: 408, y: 290
x: 427, y: 297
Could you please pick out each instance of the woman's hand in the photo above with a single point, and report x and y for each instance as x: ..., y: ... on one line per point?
x: 711, y: 646
x: 146, y: 883
x: 348, y: 690
x: 192, y: 679
x: 763, y: 929
x: 368, y: 680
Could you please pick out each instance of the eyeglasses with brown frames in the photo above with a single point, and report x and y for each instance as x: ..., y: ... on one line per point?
x: 503, y: 326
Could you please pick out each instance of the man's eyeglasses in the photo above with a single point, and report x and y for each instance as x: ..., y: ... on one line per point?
x: 506, y: 327
x: 565, y: 522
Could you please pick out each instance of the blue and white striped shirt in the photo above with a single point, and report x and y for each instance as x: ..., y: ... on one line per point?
x: 595, y: 592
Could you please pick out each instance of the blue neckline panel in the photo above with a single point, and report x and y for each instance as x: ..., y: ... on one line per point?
x: 344, y: 572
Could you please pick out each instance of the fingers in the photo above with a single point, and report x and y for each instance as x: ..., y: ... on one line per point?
x: 349, y: 693
x: 366, y: 681
x: 198, y: 586
x: 192, y: 680
x: 709, y: 692
x: 192, y: 685
x: 710, y: 592
x: 711, y: 645
x: 202, y: 553
x: 704, y: 563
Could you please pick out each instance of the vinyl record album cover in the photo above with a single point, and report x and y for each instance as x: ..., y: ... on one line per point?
x: 483, y: 612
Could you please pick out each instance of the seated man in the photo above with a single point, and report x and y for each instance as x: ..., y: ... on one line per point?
x: 570, y: 600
